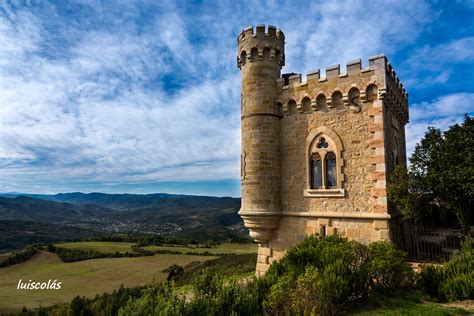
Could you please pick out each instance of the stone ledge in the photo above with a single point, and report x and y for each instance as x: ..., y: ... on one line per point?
x: 324, y: 193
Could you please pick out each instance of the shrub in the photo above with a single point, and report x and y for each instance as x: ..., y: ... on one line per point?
x: 459, y: 274
x: 321, y: 275
x: 431, y: 278
x: 454, y: 281
x: 325, y: 291
x: 157, y: 299
x: 174, y: 272
x: 458, y: 287
x: 389, y: 269
x: 279, y: 299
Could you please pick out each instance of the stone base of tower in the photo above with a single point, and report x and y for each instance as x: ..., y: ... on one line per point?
x: 293, y: 229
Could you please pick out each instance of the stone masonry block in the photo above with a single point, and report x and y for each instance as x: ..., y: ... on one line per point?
x: 374, y: 111
x: 262, y: 267
x: 377, y: 159
x: 262, y: 259
x: 384, y: 234
x: 374, y: 143
x: 379, y: 209
x: 331, y: 231
x: 380, y: 224
x: 377, y: 176
x: 379, y: 192
x: 375, y: 127
x: 265, y: 251
x: 323, y: 222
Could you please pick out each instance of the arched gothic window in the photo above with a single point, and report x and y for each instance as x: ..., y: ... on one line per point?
x: 325, y: 164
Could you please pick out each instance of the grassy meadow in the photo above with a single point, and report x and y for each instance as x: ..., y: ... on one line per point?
x: 84, y: 278
x: 100, y: 246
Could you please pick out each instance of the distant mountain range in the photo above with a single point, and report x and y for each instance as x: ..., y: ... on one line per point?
x: 119, y: 213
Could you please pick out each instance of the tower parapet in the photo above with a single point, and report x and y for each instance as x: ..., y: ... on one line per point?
x: 260, y: 44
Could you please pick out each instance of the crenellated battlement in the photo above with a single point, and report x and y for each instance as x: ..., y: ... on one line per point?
x: 261, y: 44
x: 261, y: 31
x: 348, y: 90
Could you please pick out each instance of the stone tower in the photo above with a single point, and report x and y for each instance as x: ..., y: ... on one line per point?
x: 316, y: 154
x: 261, y: 56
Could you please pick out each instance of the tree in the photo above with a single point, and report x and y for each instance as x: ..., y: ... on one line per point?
x: 403, y: 192
x: 441, y: 174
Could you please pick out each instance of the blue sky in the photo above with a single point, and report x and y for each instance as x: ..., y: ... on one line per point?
x: 143, y: 96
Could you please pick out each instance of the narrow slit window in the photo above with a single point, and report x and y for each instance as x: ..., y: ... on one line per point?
x: 331, y: 172
x: 316, y: 172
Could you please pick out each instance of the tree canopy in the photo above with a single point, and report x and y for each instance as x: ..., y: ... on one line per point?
x: 440, y: 175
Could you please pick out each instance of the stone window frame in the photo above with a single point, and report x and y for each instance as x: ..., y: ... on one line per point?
x: 335, y: 146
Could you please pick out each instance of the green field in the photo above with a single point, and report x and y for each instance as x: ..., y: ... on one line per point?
x: 219, y: 249
x: 100, y: 246
x: 84, y: 278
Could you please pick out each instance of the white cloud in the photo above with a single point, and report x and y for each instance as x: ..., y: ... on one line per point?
x: 440, y: 113
x: 435, y: 57
x: 456, y: 104
x: 150, y: 91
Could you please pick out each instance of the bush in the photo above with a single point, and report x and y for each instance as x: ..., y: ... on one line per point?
x: 157, y: 299
x: 389, y: 269
x: 214, y: 296
x: 322, y: 275
x: 325, y: 291
x: 326, y: 275
x: 174, y: 272
x: 454, y: 281
x: 431, y: 277
x: 459, y: 287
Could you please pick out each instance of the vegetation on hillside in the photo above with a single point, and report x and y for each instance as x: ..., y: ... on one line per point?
x: 18, y: 256
x: 15, y: 235
x: 321, y: 276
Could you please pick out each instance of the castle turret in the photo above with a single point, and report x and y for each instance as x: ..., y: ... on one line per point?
x: 260, y: 58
